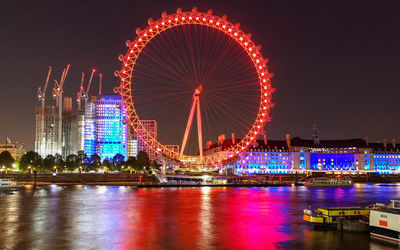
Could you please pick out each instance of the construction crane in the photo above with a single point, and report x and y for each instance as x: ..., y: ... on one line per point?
x: 58, y: 87
x: 101, y: 79
x: 81, y: 94
x: 42, y: 96
x: 90, y: 82
x: 57, y: 94
x: 42, y: 93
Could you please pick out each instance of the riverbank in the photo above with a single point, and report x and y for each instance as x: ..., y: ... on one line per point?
x: 146, y: 180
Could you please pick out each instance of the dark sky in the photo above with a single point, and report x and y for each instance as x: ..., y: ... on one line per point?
x: 335, y: 63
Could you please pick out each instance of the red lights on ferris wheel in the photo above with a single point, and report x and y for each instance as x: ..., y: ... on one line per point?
x: 221, y: 24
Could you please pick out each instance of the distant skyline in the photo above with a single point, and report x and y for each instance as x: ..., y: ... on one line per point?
x: 335, y: 63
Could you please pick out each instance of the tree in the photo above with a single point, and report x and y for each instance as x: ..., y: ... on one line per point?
x: 48, y: 163
x: 94, y: 161
x: 143, y: 159
x: 86, y: 163
x: 81, y: 156
x: 118, y: 161
x: 155, y: 165
x: 6, y: 159
x: 72, y: 162
x: 30, y: 159
x: 59, y: 162
x: 107, y: 164
x: 132, y: 163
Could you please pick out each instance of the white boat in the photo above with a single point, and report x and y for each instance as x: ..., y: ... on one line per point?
x: 384, y: 222
x: 9, y: 185
x: 329, y: 182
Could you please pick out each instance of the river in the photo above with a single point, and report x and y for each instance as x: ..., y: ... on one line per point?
x: 120, y: 217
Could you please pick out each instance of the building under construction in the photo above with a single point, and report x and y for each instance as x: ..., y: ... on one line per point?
x: 46, y: 139
x: 99, y: 126
x: 55, y: 125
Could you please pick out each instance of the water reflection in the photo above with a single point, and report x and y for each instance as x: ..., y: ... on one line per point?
x: 119, y: 217
x: 206, y: 219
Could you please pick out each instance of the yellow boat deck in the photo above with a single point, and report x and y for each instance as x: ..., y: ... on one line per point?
x: 328, y: 216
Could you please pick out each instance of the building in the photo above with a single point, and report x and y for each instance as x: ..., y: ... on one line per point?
x: 151, y: 127
x: 80, y: 130
x: 105, y: 127
x: 68, y: 129
x: 46, y: 131
x: 132, y: 142
x: 301, y: 155
x: 16, y: 151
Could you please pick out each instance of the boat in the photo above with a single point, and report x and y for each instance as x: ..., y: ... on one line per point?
x: 384, y: 222
x: 332, y: 216
x: 7, y: 185
x: 329, y: 182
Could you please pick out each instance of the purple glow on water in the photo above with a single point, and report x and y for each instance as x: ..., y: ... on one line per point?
x: 104, y: 217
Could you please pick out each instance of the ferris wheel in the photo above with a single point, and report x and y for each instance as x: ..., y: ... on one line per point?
x: 159, y: 67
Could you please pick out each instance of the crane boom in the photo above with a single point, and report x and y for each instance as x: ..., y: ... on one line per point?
x: 42, y: 93
x: 101, y: 79
x: 82, y: 79
x: 47, y: 81
x: 90, y: 81
x: 81, y: 94
x: 64, y: 76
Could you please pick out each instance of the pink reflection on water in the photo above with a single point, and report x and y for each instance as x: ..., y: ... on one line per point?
x: 203, y: 218
x: 252, y: 220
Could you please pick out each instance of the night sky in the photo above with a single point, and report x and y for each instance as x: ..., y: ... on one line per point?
x: 336, y: 63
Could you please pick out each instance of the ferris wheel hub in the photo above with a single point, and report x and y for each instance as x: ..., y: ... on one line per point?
x: 198, y: 90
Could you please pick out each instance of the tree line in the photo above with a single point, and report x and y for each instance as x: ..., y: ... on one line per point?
x: 76, y: 162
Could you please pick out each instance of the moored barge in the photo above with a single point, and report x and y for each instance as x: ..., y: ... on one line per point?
x: 329, y: 217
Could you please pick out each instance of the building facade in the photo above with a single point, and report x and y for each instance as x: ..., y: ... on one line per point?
x: 69, y: 127
x: 46, y: 131
x: 332, y: 156
x: 80, y: 130
x: 151, y: 127
x: 105, y: 127
x: 16, y: 151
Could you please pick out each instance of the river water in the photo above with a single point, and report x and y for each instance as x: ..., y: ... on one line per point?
x: 119, y: 217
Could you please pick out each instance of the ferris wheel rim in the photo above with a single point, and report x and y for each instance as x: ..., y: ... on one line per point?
x: 221, y: 24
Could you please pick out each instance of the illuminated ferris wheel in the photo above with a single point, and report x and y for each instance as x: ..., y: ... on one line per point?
x: 188, y: 58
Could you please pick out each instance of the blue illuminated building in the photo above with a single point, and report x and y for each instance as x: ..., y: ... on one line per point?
x: 273, y: 158
x: 105, y: 127
x: 296, y: 155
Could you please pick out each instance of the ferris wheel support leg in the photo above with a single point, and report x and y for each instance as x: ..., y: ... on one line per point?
x: 199, y: 133
x: 189, y: 125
